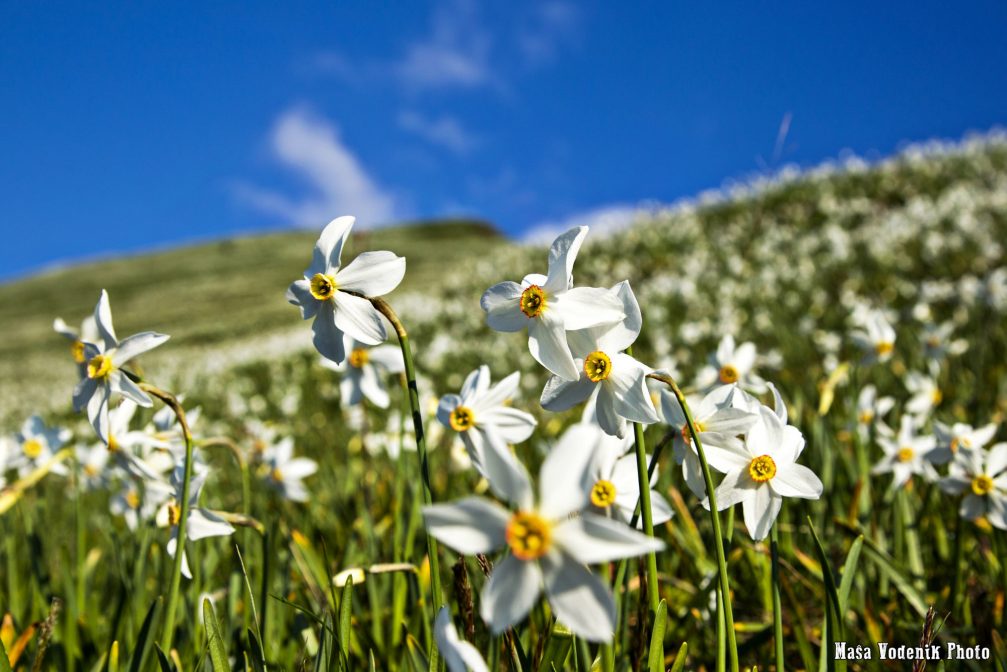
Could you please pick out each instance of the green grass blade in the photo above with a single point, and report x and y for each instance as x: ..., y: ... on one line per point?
x: 4, y: 661
x: 113, y: 657
x: 683, y: 653
x: 345, y: 612
x: 656, y: 656
x: 218, y: 654
x: 849, y: 572
x: 557, y: 648
x: 162, y: 660
x: 142, y: 646
x: 417, y: 659
x: 833, y: 613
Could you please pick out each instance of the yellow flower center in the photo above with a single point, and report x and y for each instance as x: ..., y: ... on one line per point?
x: 762, y: 468
x: 90, y: 470
x: 113, y: 445
x: 528, y: 535
x: 936, y: 396
x: 905, y: 454
x: 957, y: 443
x: 32, y: 449
x: 884, y: 348
x: 728, y: 374
x: 533, y: 301
x: 99, y: 367
x: 77, y: 351
x: 866, y: 417
x: 597, y: 366
x: 133, y: 499
x: 359, y: 357
x: 687, y: 435
x: 982, y: 485
x: 276, y: 475
x: 174, y: 514
x: 322, y: 286
x: 462, y: 419
x: 603, y: 494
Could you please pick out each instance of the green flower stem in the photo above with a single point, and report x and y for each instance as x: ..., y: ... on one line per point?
x: 421, y: 450
x: 176, y: 572
x: 653, y: 592
x: 774, y: 546
x: 725, y: 583
x: 912, y: 538
x: 956, y: 581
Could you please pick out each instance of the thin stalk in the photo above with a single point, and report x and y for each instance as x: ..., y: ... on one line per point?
x: 725, y: 582
x: 653, y: 594
x: 176, y: 573
x: 421, y: 451
x: 774, y: 547
x: 912, y: 539
x: 956, y: 580
x: 721, y: 635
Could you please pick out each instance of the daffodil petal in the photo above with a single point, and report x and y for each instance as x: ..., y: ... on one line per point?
x: 511, y: 592
x: 578, y: 598
x: 593, y: 539
x: 327, y: 337
x: 359, y: 319
x: 547, y: 344
x: 503, y: 309
x: 372, y: 273
x: 469, y: 526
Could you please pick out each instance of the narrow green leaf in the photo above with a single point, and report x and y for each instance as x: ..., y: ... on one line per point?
x: 833, y: 614
x: 345, y: 611
x: 4, y: 661
x: 683, y: 653
x: 849, y: 572
x: 371, y: 666
x: 256, y: 654
x: 113, y: 657
x: 162, y: 660
x: 142, y: 646
x: 557, y: 648
x: 417, y: 659
x: 656, y: 656
x: 218, y: 654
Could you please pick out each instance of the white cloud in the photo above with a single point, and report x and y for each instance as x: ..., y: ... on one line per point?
x: 313, y: 148
x: 603, y: 220
x: 454, y: 55
x: 445, y: 131
x: 549, y: 27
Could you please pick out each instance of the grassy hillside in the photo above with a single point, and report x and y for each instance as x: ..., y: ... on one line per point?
x: 204, y: 296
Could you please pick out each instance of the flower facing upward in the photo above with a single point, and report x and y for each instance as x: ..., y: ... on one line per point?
x: 549, y: 305
x: 333, y: 295
x: 102, y: 375
x: 731, y: 364
x: 35, y: 445
x: 764, y: 471
x: 481, y: 417
x: 906, y: 454
x: 981, y: 475
x: 363, y: 371
x: 618, y: 381
x: 548, y: 544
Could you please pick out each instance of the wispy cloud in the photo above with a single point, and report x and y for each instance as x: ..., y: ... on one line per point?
x: 602, y: 220
x: 313, y: 148
x: 445, y: 131
x: 549, y: 27
x: 454, y: 55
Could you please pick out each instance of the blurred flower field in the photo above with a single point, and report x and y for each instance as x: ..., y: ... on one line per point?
x: 839, y: 336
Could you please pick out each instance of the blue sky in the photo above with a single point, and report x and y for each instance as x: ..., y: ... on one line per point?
x: 129, y: 126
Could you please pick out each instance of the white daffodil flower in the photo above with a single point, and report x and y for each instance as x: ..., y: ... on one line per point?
x: 548, y: 544
x: 549, y: 305
x: 137, y: 501
x: 480, y: 415
x: 329, y: 292
x: 92, y: 462
x: 364, y: 370
x: 875, y: 337
x: 618, y: 380
x: 982, y: 476
x: 906, y: 454
x: 36, y: 444
x: 202, y: 523
x: 103, y: 376
x: 871, y: 410
x: 459, y: 655
x: 938, y: 343
x: 731, y: 364
x: 764, y: 472
x: 132, y: 449
x: 959, y: 438
x: 88, y: 334
x: 615, y: 492
x: 394, y: 438
x: 285, y: 473
x: 925, y: 394
x: 718, y: 422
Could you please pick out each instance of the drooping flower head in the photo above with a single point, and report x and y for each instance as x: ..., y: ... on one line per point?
x: 202, y: 523
x: 334, y: 295
x: 549, y: 306
x: 364, y: 370
x: 103, y: 376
